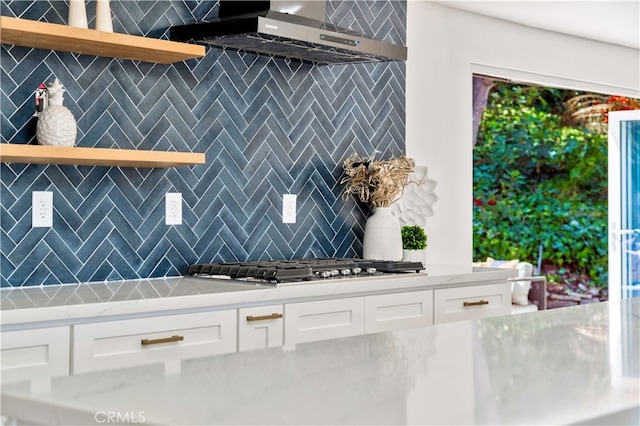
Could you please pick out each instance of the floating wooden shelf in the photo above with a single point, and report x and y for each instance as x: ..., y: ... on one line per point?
x: 44, y: 35
x: 39, y: 154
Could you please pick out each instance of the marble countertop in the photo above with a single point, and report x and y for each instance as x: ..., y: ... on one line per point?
x: 559, y: 366
x: 68, y: 302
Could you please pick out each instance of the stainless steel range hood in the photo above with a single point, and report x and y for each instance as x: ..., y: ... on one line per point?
x: 289, y: 29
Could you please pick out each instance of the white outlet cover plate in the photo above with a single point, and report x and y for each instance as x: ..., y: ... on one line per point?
x: 288, y: 208
x: 173, y: 208
x: 42, y: 209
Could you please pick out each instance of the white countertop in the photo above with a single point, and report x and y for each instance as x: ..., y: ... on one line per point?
x: 551, y: 367
x: 24, y: 305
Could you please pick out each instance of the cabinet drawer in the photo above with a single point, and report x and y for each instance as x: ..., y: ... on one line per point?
x: 34, y: 354
x: 260, y: 327
x: 322, y: 320
x: 385, y: 312
x: 462, y: 303
x: 125, y: 343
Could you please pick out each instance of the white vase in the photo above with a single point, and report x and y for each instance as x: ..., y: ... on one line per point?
x: 77, y: 14
x: 382, y: 238
x: 103, y: 16
x: 415, y: 256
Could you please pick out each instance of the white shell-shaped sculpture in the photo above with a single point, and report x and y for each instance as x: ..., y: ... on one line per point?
x: 56, y: 124
x: 417, y: 200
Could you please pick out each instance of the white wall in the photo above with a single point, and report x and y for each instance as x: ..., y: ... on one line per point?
x: 445, y: 47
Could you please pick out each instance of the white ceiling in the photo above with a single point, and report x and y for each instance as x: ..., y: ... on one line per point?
x: 610, y: 21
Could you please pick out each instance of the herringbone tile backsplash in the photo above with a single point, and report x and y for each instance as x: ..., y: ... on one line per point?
x: 268, y: 127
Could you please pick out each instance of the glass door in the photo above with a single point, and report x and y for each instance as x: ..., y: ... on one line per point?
x: 624, y: 204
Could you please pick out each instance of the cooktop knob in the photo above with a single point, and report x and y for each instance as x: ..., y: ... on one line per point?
x: 334, y: 272
x: 345, y: 271
x: 371, y: 271
x: 356, y: 271
x: 325, y: 274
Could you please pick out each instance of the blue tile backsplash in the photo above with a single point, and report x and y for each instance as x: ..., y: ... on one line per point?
x: 268, y: 126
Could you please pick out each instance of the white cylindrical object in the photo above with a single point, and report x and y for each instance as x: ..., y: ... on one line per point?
x: 103, y: 16
x: 77, y: 14
x: 382, y: 238
x: 414, y: 256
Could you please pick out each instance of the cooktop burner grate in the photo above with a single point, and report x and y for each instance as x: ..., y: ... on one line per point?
x: 302, y: 269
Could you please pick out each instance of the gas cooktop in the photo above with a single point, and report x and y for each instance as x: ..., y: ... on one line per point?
x: 301, y: 270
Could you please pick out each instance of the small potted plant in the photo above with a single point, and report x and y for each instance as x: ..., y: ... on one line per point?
x: 414, y: 243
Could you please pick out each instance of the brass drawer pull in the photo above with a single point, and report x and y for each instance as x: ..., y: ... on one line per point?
x: 481, y: 302
x: 263, y: 317
x: 175, y: 338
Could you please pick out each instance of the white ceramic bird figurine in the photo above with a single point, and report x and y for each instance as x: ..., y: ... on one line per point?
x: 56, y: 124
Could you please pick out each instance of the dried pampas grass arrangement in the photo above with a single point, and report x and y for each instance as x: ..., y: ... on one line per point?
x: 377, y: 183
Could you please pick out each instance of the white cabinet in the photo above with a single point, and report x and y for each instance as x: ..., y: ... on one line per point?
x: 166, y: 336
x: 260, y: 327
x: 125, y: 343
x: 35, y: 354
x: 322, y: 320
x: 330, y: 319
x: 471, y: 302
x: 386, y: 312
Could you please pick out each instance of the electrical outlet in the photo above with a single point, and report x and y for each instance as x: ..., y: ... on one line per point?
x: 173, y: 208
x: 289, y: 208
x: 42, y: 209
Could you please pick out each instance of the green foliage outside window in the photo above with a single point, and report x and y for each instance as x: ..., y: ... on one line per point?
x: 540, y: 181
